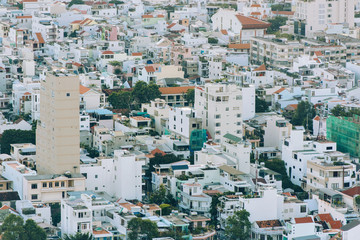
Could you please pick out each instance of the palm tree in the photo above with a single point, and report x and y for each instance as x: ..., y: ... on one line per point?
x: 79, y: 236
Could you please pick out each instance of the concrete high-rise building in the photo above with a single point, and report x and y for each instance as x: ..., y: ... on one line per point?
x: 223, y: 107
x: 315, y: 15
x: 58, y: 134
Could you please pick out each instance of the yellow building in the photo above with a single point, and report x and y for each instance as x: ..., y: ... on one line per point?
x: 58, y: 134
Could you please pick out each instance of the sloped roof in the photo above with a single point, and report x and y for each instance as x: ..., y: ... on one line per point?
x: 150, y: 69
x: 107, y: 52
x: 269, y: 223
x: 239, y: 45
x: 40, y: 38
x: 304, y: 220
x: 351, y: 225
x: 260, y: 68
x: 175, y: 90
x: 230, y: 170
x: 223, y: 31
x: 83, y: 89
x: 352, y: 191
x: 232, y: 137
x: 279, y: 90
x: 251, y: 23
x: 326, y: 217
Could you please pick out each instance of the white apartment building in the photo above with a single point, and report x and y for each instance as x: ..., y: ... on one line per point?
x: 183, y: 120
x: 317, y: 14
x: 159, y: 110
x: 296, y: 153
x: 221, y: 107
x: 276, y: 129
x: 121, y: 176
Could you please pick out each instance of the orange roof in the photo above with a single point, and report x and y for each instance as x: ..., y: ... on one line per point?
x: 318, y: 53
x: 255, y: 5
x: 294, y: 106
x: 289, y: 13
x: 239, y: 45
x: 335, y: 224
x: 171, y: 25
x: 160, y: 16
x: 255, y: 13
x: 326, y: 217
x: 29, y: 1
x: 107, y: 52
x: 252, y: 23
x: 352, y: 191
x: 83, y: 89
x: 150, y: 69
x: 174, y: 90
x: 23, y: 17
x: 76, y: 21
x: 136, y: 54
x: 279, y: 91
x: 40, y: 38
x: 127, y: 205
x: 102, y: 231
x: 224, y: 32
x: 261, y: 68
x: 147, y: 16
x: 317, y: 118
x: 304, y: 220
x: 27, y: 93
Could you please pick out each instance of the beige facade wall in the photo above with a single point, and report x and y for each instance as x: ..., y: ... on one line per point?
x: 58, y: 134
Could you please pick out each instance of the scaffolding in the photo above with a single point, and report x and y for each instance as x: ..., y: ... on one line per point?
x: 345, y: 131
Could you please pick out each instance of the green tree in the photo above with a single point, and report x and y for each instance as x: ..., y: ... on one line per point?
x: 153, y: 91
x: 13, y: 228
x: 338, y: 110
x: 190, y: 96
x: 138, y: 227
x: 303, y: 115
x: 16, y: 136
x: 33, y: 231
x: 213, y: 209
x: 238, y: 226
x: 72, y: 2
x: 276, y: 23
x: 120, y: 100
x: 55, y: 213
x: 79, y: 236
x: 260, y: 105
x: 158, y: 196
x: 117, y: 71
x: 140, y: 92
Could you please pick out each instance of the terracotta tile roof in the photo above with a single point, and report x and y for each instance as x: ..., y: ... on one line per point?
x: 76, y: 64
x: 255, y: 5
x: 224, y: 32
x: 127, y: 205
x: 98, y: 231
x: 139, y: 118
x: 147, y: 16
x: 318, y: 53
x: 255, y: 13
x: 326, y: 217
x: 261, y: 68
x: 171, y: 25
x: 136, y: 54
x: 158, y: 151
x: 294, y: 106
x: 304, y: 220
x: 288, y: 13
x: 317, y: 118
x: 83, y: 89
x: 76, y: 21
x: 352, y: 191
x: 269, y: 223
x: 279, y: 91
x: 211, y: 192
x: 335, y: 224
x: 252, y: 23
x: 160, y: 16
x: 150, y: 69
x: 239, y: 45
x: 107, y: 52
x: 21, y: 17
x: 40, y: 38
x: 27, y: 93
x: 29, y: 1
x: 175, y: 90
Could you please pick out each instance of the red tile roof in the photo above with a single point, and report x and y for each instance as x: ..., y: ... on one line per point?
x: 304, y: 220
x: 239, y: 46
x: 83, y: 89
x: 23, y: 17
x: 255, y: 5
x: 224, y: 32
x: 318, y: 53
x: 150, y: 69
x: 107, y: 52
x: 317, y: 118
x: 335, y: 224
x: 76, y: 21
x: 171, y: 25
x: 279, y: 90
x: 255, y: 13
x: 326, y: 217
x: 352, y: 191
x: 269, y: 223
x: 174, y: 90
x: 40, y: 38
x: 147, y: 16
x: 136, y: 54
x: 252, y: 23
x: 261, y: 68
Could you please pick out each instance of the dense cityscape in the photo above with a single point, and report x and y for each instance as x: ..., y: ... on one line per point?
x: 180, y: 119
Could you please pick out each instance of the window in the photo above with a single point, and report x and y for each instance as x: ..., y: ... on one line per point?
x: 96, y: 176
x: 34, y: 196
x: 217, y: 116
x: 238, y: 115
x: 56, y: 184
x: 329, y: 148
x: 44, y: 184
x: 50, y: 184
x: 227, y: 109
x: 217, y: 124
x: 68, y: 94
x: 62, y: 184
x: 34, y: 186
x: 303, y: 208
x: 96, y: 188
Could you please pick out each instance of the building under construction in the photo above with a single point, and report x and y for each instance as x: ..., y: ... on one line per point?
x: 345, y: 131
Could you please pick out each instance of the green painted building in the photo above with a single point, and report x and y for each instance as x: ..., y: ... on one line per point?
x: 345, y: 131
